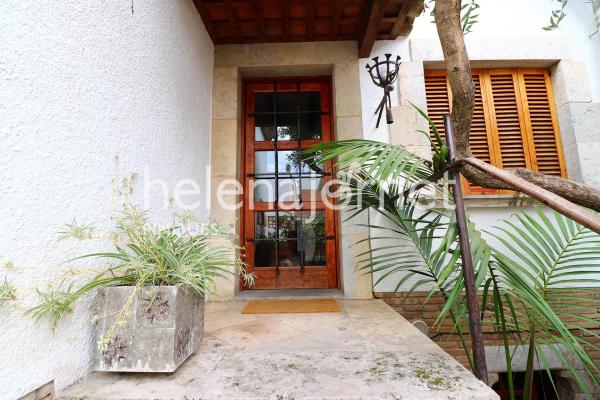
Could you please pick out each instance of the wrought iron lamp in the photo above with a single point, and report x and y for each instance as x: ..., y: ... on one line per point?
x: 383, y: 74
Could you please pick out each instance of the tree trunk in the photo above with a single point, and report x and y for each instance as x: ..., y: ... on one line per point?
x: 448, y: 23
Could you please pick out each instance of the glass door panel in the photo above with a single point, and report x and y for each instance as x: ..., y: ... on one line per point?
x: 289, y: 236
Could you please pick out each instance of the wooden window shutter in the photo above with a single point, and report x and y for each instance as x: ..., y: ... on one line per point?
x: 514, y: 121
x: 541, y: 122
x: 438, y: 95
x: 437, y: 92
x: 507, y: 119
x: 480, y: 137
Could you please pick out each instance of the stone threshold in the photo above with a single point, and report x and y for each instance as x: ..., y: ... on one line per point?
x: 289, y: 294
x: 367, y: 351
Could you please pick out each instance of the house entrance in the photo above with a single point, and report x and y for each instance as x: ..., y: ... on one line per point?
x: 289, y: 232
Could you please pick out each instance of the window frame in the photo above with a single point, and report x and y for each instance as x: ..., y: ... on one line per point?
x: 530, y: 152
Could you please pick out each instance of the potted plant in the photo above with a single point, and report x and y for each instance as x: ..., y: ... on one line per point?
x: 150, y: 310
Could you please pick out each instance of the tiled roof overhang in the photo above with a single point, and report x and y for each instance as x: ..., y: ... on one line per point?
x: 276, y: 21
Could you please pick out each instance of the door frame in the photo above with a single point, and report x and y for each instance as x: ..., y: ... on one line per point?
x: 244, y: 142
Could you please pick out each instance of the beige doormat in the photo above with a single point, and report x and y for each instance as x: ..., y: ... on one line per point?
x: 276, y: 306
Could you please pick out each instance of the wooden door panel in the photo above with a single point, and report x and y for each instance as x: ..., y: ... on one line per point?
x: 283, y: 247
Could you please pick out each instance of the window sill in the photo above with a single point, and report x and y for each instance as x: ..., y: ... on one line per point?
x: 500, y: 200
x: 491, y: 201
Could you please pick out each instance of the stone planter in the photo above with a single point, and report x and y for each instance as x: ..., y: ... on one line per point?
x: 163, y: 326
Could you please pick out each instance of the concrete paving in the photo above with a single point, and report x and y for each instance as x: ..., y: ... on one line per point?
x: 367, y: 351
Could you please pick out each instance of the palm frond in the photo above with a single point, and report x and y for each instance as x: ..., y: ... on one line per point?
x: 418, y: 249
x: 382, y: 162
x: 542, y: 256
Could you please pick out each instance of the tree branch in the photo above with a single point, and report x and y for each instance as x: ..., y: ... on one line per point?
x: 538, y: 192
x: 447, y: 20
x: 449, y: 28
x: 575, y: 192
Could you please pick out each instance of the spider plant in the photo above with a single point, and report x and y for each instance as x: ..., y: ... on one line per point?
x: 146, y: 255
x: 7, y: 292
x: 523, y: 280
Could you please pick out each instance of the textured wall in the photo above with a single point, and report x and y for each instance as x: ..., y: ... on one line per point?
x: 413, y: 308
x: 516, y: 24
x: 491, y: 44
x: 90, y: 91
x: 491, y: 40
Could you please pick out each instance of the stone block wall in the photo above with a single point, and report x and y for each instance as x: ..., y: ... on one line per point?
x: 235, y: 62
x: 579, y: 118
x: 412, y: 306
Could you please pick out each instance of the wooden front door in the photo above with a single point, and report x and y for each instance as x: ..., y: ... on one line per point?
x: 289, y: 232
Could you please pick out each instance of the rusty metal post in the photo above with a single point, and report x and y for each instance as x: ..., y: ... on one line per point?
x: 479, y: 362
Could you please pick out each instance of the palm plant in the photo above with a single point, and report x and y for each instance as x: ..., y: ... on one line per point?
x: 541, y: 274
x: 146, y: 255
x: 523, y: 281
x: 425, y: 241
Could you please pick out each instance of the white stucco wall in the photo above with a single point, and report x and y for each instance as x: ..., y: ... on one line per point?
x: 508, y: 29
x: 510, y: 32
x: 82, y: 84
x: 512, y: 20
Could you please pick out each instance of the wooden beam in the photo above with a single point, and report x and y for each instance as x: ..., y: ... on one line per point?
x: 260, y: 21
x: 402, y: 22
x: 233, y: 20
x: 415, y: 9
x: 285, y: 11
x: 406, y: 28
x: 199, y: 4
x: 310, y: 28
x: 373, y: 17
x: 337, y: 17
x: 400, y: 19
